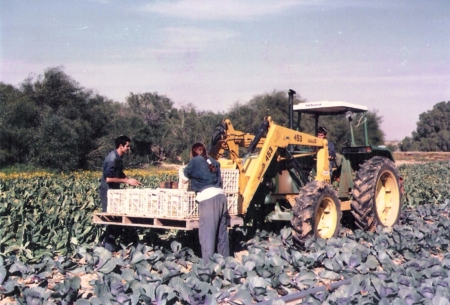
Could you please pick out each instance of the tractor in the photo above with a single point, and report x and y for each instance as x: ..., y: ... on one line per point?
x: 282, y: 167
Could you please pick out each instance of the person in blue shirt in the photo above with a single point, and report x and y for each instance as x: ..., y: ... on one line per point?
x: 204, y: 174
x: 112, y: 177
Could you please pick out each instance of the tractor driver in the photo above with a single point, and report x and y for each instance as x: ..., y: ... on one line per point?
x: 322, y: 133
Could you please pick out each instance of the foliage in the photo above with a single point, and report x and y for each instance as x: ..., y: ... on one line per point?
x: 18, y: 115
x: 425, y: 183
x: 432, y: 132
x: 248, y: 117
x: 406, y: 264
x: 51, y: 121
x: 186, y: 127
x: 49, y: 213
x: 49, y: 231
x: 392, y: 147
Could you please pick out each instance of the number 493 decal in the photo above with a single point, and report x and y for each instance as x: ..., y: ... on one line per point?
x: 298, y: 138
x: 269, y: 153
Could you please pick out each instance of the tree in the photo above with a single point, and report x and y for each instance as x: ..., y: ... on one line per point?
x: 79, y: 113
x: 432, y: 132
x: 186, y: 127
x: 18, y: 116
x: 57, y: 143
x: 249, y: 116
x: 154, y: 111
x: 51, y: 121
x: 407, y: 144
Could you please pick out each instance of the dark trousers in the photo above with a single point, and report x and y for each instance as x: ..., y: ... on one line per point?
x: 109, y: 237
x: 112, y: 232
x: 213, y: 226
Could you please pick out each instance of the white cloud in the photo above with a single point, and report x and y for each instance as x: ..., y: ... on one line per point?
x: 100, y: 1
x: 194, y: 39
x: 220, y: 10
x: 175, y: 40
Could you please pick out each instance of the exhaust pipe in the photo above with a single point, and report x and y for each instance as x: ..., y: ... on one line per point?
x: 291, y: 108
x: 291, y: 114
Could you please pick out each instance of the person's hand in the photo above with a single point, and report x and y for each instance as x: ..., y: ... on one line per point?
x: 133, y: 182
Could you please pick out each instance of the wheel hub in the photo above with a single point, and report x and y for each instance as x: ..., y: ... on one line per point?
x: 387, y: 198
x: 326, y: 218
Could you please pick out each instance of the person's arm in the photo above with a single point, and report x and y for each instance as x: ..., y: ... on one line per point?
x: 109, y: 173
x: 129, y: 181
x: 183, y: 178
x: 187, y: 172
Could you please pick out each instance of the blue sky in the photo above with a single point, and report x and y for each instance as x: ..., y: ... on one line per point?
x: 390, y: 55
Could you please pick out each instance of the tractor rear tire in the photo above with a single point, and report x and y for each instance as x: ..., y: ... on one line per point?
x: 376, y: 194
x: 316, y: 213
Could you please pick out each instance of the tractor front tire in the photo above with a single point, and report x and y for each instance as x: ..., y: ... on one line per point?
x: 376, y: 194
x: 316, y: 213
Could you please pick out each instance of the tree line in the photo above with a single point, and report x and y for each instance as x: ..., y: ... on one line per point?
x: 51, y: 121
x: 432, y: 132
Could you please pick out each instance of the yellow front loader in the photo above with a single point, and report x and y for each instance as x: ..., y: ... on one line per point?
x: 282, y: 167
x: 253, y: 168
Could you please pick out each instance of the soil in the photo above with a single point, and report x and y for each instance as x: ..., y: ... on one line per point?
x: 414, y: 157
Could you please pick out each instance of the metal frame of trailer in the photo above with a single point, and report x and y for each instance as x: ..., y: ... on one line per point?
x: 155, y: 222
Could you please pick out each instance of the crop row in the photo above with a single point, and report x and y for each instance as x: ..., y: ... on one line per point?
x: 408, y: 264
x: 43, y: 214
x: 49, y: 230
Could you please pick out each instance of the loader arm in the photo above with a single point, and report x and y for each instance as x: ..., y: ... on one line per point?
x: 279, y: 137
x: 229, y: 140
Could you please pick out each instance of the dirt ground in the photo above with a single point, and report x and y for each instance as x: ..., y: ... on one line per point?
x: 412, y: 157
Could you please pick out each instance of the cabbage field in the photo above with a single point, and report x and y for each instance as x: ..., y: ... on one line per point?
x: 49, y: 252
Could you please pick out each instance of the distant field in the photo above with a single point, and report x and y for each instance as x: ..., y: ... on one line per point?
x: 419, y: 157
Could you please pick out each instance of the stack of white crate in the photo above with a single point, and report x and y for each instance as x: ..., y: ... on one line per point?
x: 169, y: 203
x: 136, y: 202
x: 230, y: 185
